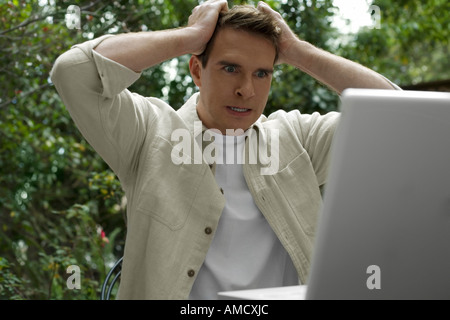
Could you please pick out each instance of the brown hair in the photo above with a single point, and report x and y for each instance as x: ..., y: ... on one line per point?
x: 245, y: 18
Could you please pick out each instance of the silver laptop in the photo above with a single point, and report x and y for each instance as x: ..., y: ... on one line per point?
x: 384, y: 232
x: 384, y: 229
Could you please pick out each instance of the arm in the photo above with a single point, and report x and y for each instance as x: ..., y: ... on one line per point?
x: 139, y: 51
x: 336, y: 72
x: 92, y: 77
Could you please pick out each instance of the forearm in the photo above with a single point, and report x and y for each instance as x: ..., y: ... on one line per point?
x: 336, y: 72
x: 142, y: 50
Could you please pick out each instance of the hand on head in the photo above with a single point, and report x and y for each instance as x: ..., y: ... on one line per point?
x: 288, y: 37
x: 203, y: 20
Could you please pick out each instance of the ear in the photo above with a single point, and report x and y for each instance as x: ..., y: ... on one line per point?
x: 195, y: 66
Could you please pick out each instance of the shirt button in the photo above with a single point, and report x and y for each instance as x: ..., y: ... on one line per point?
x: 191, y: 273
x: 208, y: 230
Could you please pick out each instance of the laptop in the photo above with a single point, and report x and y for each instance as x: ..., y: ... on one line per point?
x: 384, y: 228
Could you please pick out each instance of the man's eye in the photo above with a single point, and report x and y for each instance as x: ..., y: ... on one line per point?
x: 230, y: 69
x: 261, y: 74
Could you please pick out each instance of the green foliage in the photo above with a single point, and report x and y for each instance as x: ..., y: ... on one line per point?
x: 291, y: 89
x: 59, y: 202
x: 412, y: 44
x: 56, y: 194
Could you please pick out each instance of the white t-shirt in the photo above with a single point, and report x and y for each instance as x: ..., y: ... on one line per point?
x: 245, y: 253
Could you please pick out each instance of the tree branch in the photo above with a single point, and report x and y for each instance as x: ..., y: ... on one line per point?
x: 22, y: 95
x: 58, y: 12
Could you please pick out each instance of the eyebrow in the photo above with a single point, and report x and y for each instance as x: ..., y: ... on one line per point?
x: 236, y: 65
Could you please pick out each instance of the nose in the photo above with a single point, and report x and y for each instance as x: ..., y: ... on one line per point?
x: 245, y: 88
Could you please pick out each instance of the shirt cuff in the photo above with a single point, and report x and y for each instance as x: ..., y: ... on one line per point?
x: 114, y: 76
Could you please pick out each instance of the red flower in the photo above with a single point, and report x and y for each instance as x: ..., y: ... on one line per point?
x: 103, y: 238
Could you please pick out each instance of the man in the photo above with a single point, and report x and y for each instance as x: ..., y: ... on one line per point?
x: 198, y: 227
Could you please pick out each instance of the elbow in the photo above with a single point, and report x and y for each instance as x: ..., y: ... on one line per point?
x: 74, y: 74
x: 62, y: 67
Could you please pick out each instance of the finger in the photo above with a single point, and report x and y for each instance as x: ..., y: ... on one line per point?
x: 223, y: 5
x: 262, y: 6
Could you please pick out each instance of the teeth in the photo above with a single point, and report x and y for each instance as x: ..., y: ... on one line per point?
x: 238, y: 109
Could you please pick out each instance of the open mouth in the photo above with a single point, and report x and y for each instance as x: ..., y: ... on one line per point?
x: 239, y: 110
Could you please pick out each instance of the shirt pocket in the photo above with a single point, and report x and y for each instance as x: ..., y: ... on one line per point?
x: 168, y: 190
x: 298, y: 184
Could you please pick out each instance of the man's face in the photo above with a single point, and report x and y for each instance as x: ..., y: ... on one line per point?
x: 234, y: 85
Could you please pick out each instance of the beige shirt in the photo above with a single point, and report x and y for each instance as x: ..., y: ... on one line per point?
x: 173, y: 209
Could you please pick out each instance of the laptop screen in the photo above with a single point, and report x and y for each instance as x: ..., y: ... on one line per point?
x: 384, y: 229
